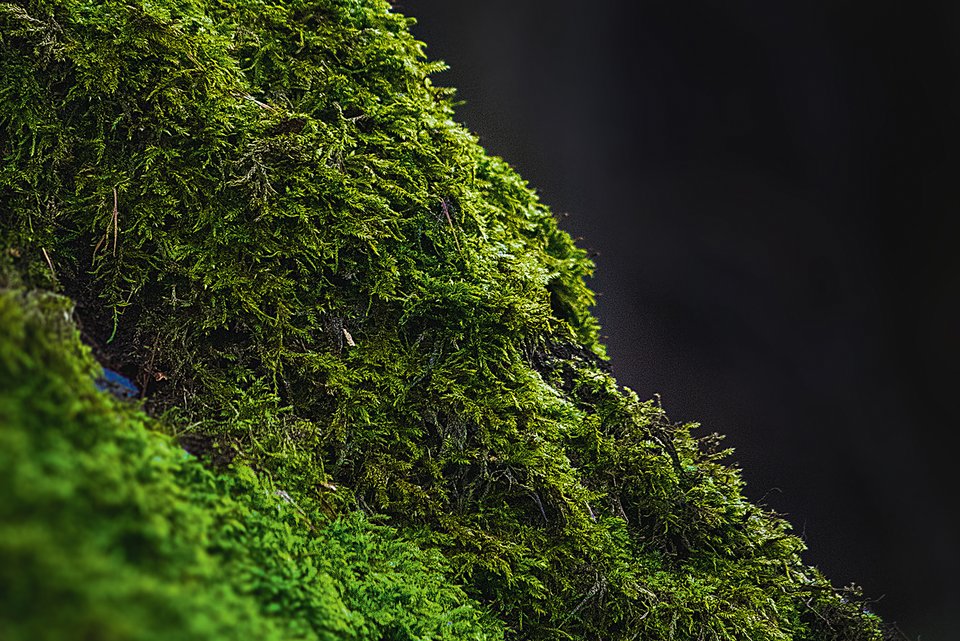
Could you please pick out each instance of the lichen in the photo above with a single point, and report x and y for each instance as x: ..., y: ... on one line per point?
x: 269, y: 219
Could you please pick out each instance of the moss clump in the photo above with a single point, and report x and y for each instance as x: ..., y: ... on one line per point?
x: 109, y: 530
x: 267, y: 216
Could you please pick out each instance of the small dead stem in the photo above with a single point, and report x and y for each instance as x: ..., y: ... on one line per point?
x: 49, y: 262
x: 105, y: 239
x: 116, y: 223
x: 446, y: 212
x: 258, y: 103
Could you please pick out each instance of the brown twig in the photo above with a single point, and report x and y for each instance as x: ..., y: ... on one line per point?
x: 97, y: 248
x: 446, y: 212
x: 116, y: 221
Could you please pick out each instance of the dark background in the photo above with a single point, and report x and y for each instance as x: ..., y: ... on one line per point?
x: 773, y: 188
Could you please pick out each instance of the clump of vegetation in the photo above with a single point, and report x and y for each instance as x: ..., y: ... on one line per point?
x: 266, y: 215
x: 109, y: 530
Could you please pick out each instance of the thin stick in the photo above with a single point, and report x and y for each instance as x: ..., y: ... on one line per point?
x: 446, y: 212
x: 97, y: 248
x: 49, y: 262
x: 116, y: 223
x: 262, y: 105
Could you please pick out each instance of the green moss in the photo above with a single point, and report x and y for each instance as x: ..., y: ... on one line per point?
x: 109, y: 530
x: 267, y: 215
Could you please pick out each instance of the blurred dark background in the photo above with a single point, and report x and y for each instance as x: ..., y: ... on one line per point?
x: 773, y: 188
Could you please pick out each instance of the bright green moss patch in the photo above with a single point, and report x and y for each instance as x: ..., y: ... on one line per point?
x: 109, y: 530
x: 266, y: 215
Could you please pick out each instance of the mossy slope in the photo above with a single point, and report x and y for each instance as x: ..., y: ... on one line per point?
x: 267, y: 215
x: 110, y: 531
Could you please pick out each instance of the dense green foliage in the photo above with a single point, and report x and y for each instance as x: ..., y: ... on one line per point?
x: 110, y: 531
x: 266, y: 214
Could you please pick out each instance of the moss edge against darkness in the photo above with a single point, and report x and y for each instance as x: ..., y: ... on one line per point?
x: 268, y: 217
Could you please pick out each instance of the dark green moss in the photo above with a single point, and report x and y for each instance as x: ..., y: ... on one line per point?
x: 267, y: 215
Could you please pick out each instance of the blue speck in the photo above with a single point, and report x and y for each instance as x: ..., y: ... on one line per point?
x: 117, y: 384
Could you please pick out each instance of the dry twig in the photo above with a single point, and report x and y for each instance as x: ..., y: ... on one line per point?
x: 116, y: 219
x: 446, y: 212
x: 49, y: 262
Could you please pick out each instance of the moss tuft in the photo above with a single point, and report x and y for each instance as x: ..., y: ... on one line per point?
x: 109, y: 530
x: 266, y: 215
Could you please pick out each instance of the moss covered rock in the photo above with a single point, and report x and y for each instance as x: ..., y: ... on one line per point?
x: 110, y: 531
x: 266, y: 216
